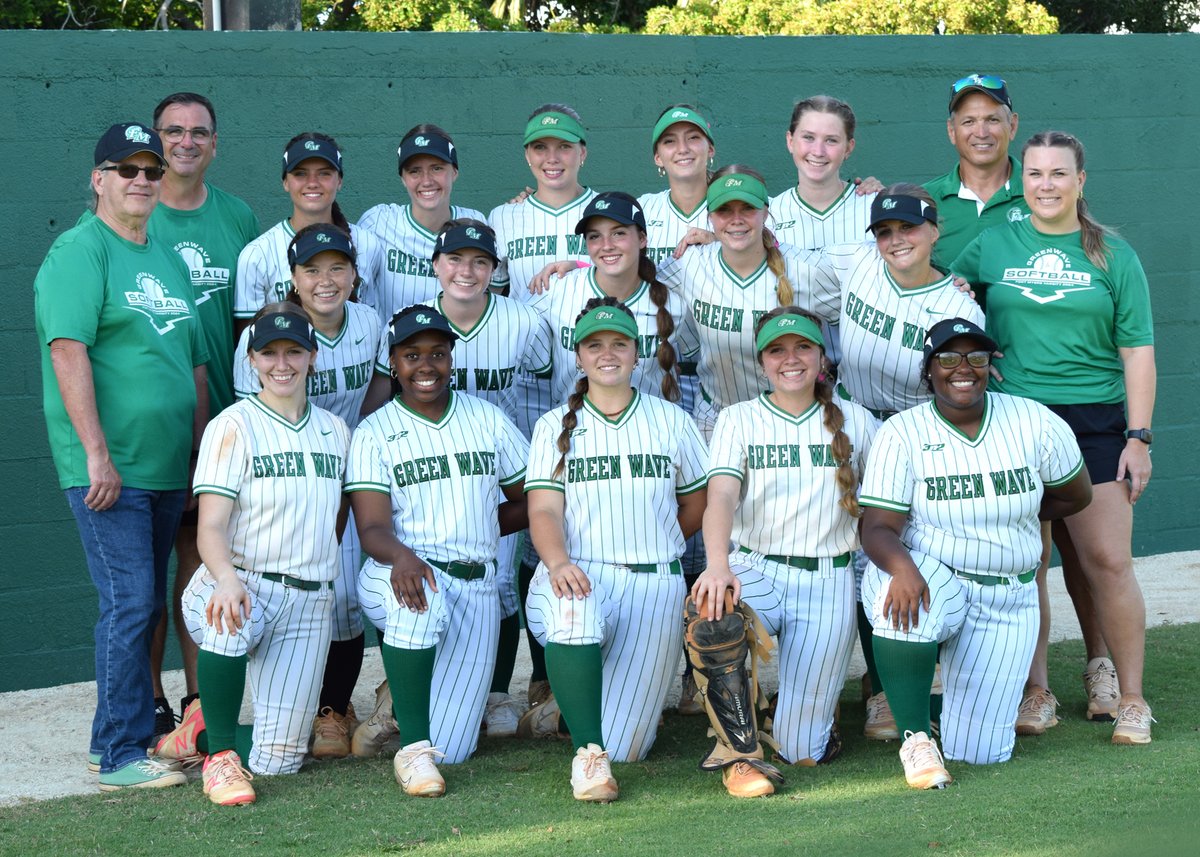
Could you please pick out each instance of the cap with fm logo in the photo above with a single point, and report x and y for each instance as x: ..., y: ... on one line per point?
x: 897, y: 206
x: 417, y: 319
x: 282, y: 325
x: 950, y: 328
x: 614, y: 205
x: 125, y: 139
x: 302, y: 150
x: 427, y: 143
x: 310, y: 242
x: 788, y: 323
x: 689, y: 115
x: 465, y: 237
x: 736, y: 186
x: 611, y: 318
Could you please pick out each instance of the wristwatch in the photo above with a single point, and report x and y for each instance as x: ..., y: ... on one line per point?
x: 1144, y: 435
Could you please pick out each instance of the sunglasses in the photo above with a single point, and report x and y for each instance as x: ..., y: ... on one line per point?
x: 953, y: 359
x: 985, y: 81
x: 130, y: 171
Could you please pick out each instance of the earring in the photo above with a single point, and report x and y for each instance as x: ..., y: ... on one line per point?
x: 661, y: 172
x: 710, y: 163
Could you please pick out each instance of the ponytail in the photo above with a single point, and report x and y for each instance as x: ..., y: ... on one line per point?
x: 667, y: 357
x: 339, y: 219
x: 784, y: 292
x: 569, y: 421
x: 835, y: 421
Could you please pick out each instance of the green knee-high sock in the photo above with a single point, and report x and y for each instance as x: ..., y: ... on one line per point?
x: 576, y: 679
x: 866, y: 639
x: 410, y: 677
x: 221, y: 681
x: 506, y: 653
x: 907, y: 673
x: 537, y: 655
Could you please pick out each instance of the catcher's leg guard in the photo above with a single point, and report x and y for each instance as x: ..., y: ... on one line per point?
x: 717, y: 651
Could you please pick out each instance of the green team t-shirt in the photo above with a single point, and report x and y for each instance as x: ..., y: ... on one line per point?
x: 959, y: 219
x: 1058, y: 318
x: 130, y: 304
x: 209, y: 239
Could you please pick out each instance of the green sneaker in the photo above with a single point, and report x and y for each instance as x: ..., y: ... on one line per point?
x: 142, y: 774
x: 93, y: 763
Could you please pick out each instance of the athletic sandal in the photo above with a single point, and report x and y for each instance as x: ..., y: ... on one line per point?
x: 924, y: 767
x: 591, y: 775
x: 226, y: 782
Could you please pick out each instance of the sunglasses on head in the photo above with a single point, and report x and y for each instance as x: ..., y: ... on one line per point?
x: 952, y: 359
x: 985, y: 81
x: 130, y: 171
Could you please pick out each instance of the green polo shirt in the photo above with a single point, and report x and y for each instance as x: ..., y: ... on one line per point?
x: 959, y: 218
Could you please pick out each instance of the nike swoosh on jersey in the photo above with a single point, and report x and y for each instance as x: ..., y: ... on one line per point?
x: 360, y: 339
x: 326, y: 433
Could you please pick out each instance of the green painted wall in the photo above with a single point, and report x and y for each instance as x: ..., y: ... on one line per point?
x: 1132, y: 99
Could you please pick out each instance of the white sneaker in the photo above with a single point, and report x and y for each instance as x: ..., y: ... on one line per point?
x: 924, y: 767
x: 591, y: 775
x: 378, y: 729
x: 415, y: 771
x: 502, y: 715
x: 1103, y: 690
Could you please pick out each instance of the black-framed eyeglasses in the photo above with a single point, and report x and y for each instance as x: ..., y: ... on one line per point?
x: 953, y: 359
x: 984, y: 81
x: 175, y: 133
x: 130, y: 171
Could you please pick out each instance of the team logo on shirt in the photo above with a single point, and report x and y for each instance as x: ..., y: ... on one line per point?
x: 207, y: 279
x: 1015, y: 215
x: 152, y: 300
x: 1047, y: 277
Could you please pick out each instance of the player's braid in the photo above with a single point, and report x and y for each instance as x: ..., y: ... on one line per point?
x: 569, y: 421
x: 784, y: 292
x: 666, y: 327
x: 835, y: 422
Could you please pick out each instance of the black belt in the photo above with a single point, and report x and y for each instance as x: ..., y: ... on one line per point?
x: 652, y: 567
x: 989, y: 580
x: 461, y: 570
x: 804, y: 563
x: 296, y: 582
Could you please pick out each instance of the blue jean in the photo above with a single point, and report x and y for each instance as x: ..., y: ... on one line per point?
x: 127, y: 548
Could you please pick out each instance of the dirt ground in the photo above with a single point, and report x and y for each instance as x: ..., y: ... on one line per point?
x: 51, y: 725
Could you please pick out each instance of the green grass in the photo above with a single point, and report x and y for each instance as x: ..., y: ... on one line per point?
x: 1067, y: 793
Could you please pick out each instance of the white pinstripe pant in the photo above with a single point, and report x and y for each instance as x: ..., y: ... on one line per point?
x: 287, y: 640
x: 463, y: 623
x: 636, y: 619
x: 988, y: 634
x: 812, y: 615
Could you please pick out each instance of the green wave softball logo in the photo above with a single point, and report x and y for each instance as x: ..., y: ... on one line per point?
x: 137, y: 134
x: 151, y: 299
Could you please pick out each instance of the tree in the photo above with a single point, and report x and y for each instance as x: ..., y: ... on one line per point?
x: 1136, y: 16
x: 847, y: 17
x: 101, y: 14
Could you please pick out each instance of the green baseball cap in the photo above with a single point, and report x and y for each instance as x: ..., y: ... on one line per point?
x: 554, y: 124
x: 604, y: 318
x: 736, y: 186
x: 680, y: 114
x: 787, y: 323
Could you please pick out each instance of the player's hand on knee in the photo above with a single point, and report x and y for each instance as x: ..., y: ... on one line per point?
x: 907, y: 594
x: 542, y: 280
x: 569, y: 581
x: 409, y: 576
x: 229, y: 607
x: 693, y: 236
x: 709, y: 591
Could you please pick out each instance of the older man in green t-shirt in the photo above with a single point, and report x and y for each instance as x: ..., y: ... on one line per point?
x: 124, y: 389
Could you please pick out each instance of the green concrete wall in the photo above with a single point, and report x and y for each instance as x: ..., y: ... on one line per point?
x: 1132, y: 99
